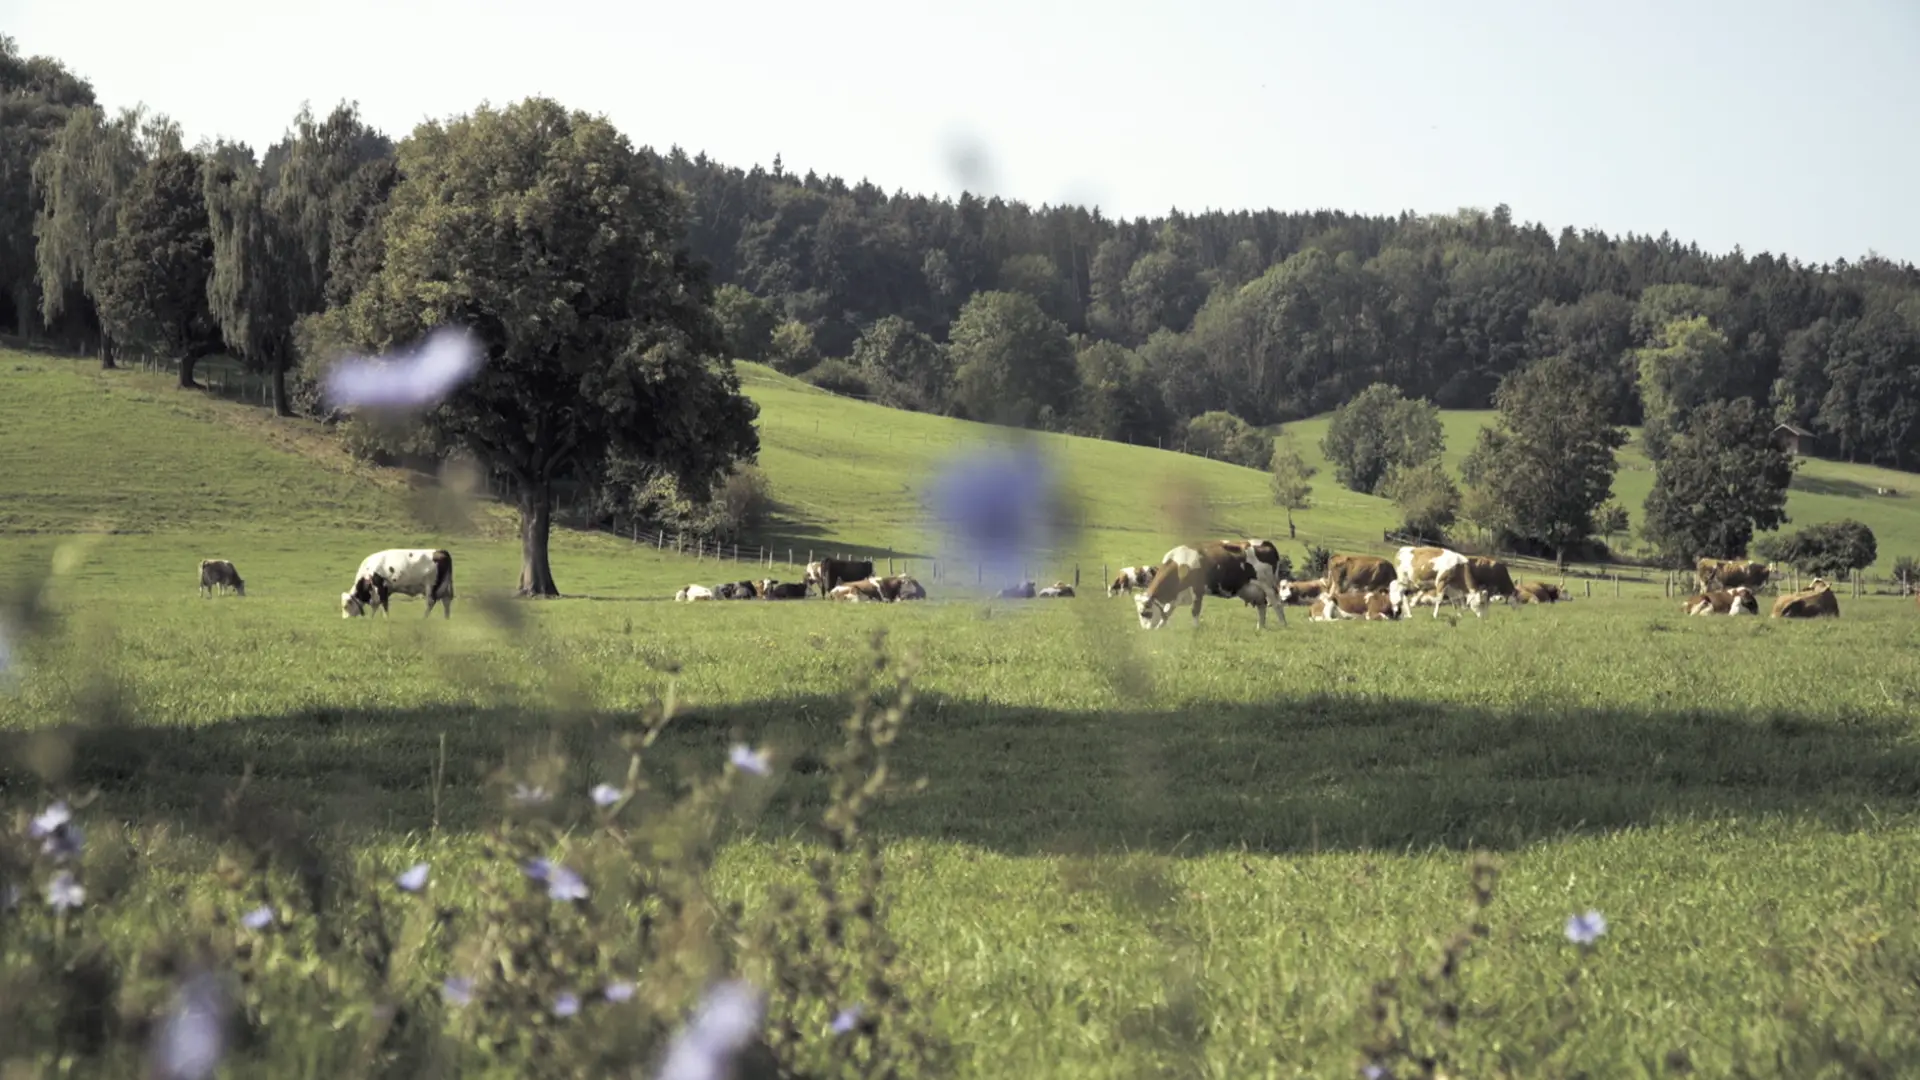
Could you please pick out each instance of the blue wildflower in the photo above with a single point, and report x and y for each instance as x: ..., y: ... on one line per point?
x: 564, y: 884
x: 413, y: 878
x: 1586, y: 929
x: 566, y: 1004
x: 64, y: 892
x: 191, y: 1039
x: 457, y: 990
x: 618, y: 990
x: 847, y: 1019
x: 259, y: 918
x: 53, y: 817
x: 606, y: 794
x: 749, y: 760
x: 995, y: 507
x: 1376, y: 1072
x: 63, y: 842
x: 537, y: 869
x: 719, y: 1028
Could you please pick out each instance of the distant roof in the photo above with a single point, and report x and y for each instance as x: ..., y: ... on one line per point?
x: 1794, y: 429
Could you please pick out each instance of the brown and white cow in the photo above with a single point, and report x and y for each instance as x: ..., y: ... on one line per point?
x: 1817, y: 601
x: 408, y: 571
x: 1419, y: 567
x: 826, y: 574
x: 1130, y: 577
x: 1057, y: 591
x: 1537, y: 592
x: 1224, y: 568
x: 1736, y: 601
x: 867, y: 591
x: 1475, y: 579
x: 1719, y: 574
x: 1372, y: 606
x: 900, y: 587
x: 1300, y: 592
x: 218, y: 575
x: 1358, y: 573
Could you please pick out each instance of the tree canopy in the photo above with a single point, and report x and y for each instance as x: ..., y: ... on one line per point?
x: 1378, y: 431
x: 1723, y: 478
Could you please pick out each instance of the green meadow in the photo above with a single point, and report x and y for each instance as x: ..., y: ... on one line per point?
x: 1191, y: 852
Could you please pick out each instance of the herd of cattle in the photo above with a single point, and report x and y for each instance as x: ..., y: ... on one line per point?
x: 1353, y: 586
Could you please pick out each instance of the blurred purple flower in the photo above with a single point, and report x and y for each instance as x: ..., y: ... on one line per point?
x: 530, y: 795
x: 562, y: 883
x: 413, y: 878
x: 606, y: 795
x: 1586, y: 929
x: 995, y: 507
x: 749, y: 760
x: 64, y: 892
x: 448, y: 357
x: 259, y: 918
x: 63, y: 843
x: 719, y: 1028
x: 847, y: 1019
x: 192, y: 1038
x: 50, y: 819
x: 457, y: 990
x: 1376, y: 1072
x: 566, y: 1004
x: 618, y: 990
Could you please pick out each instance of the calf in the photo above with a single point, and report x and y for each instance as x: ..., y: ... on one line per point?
x: 775, y: 590
x: 1300, y: 592
x: 1373, y: 606
x: 867, y: 591
x: 408, y: 571
x: 1816, y: 602
x: 1737, y: 601
x: 1058, y: 589
x: 218, y: 575
x: 694, y: 592
x: 827, y: 574
x: 1130, y: 577
x: 1212, y: 568
x: 1537, y: 592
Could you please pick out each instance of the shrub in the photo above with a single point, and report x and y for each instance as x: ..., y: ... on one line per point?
x: 1317, y: 559
x: 840, y: 377
x: 1827, y: 550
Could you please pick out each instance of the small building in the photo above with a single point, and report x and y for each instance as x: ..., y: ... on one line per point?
x: 1793, y: 439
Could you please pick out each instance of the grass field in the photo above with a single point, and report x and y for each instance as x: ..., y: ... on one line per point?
x: 1187, y: 853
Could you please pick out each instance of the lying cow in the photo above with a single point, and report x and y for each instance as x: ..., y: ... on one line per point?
x: 1537, y: 592
x: 900, y: 587
x: 1057, y: 590
x: 775, y: 590
x: 1737, y: 601
x: 736, y: 590
x: 858, y: 592
x: 408, y: 571
x: 826, y: 574
x: 1816, y: 602
x: 1022, y: 591
x: 1213, y: 568
x: 1712, y: 574
x: 1300, y: 592
x: 694, y: 592
x: 218, y: 575
x: 1375, y: 606
x: 1130, y: 577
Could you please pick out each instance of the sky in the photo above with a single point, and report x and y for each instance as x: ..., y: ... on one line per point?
x: 1787, y: 127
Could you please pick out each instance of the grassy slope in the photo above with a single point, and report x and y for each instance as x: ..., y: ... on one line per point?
x: 1297, y: 805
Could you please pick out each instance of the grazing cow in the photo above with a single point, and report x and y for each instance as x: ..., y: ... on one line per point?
x: 1537, y: 592
x: 694, y: 592
x: 893, y: 589
x: 1713, y: 574
x: 1130, y: 577
x: 1213, y: 568
x: 1300, y: 592
x: 1737, y: 601
x: 218, y: 575
x: 408, y: 571
x: 1022, y: 591
x: 775, y: 590
x: 827, y: 574
x: 1816, y: 602
x: 1476, y: 580
x: 1358, y: 573
x: 1057, y: 590
x: 1420, y: 567
x: 867, y: 591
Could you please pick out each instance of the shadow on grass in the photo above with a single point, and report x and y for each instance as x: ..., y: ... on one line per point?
x: 1326, y: 773
x: 1846, y: 489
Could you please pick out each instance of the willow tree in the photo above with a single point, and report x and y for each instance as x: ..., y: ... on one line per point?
x: 563, y: 250
x: 152, y: 273
x: 79, y: 180
x: 37, y: 97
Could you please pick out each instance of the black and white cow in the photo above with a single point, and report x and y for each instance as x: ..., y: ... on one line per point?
x: 218, y: 575
x: 409, y: 571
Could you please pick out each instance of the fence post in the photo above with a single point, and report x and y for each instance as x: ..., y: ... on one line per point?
x: 1589, y: 588
x: 1104, y: 576
x: 1076, y: 576
x: 889, y: 566
x: 1616, y: 584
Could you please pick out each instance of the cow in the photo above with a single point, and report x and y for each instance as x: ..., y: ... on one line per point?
x: 1816, y: 602
x: 1022, y: 591
x: 1057, y: 590
x: 694, y: 592
x: 1212, y: 568
x: 218, y: 575
x: 408, y: 571
x: 775, y: 590
x: 1358, y: 573
x: 1300, y: 592
x: 893, y: 589
x: 1719, y: 574
x: 736, y: 590
x: 1332, y: 607
x: 1737, y: 601
x: 826, y: 574
x: 1130, y: 577
x: 867, y: 591
x: 1475, y: 579
x: 1537, y: 592
x: 1419, y: 567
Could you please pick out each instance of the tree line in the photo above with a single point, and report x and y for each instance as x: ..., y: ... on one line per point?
x: 1189, y: 329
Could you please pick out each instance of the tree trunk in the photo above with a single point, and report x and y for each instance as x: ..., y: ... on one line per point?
x: 1290, y: 532
x: 106, y: 353
x: 282, y: 406
x: 536, y: 521
x: 187, y: 363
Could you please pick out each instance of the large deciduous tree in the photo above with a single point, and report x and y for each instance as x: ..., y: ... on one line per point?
x: 1377, y: 431
x: 1012, y: 364
x: 78, y: 183
x: 37, y: 97
x: 1548, y: 464
x: 1684, y: 367
x: 154, y: 270
x: 543, y: 232
x: 1723, y: 478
